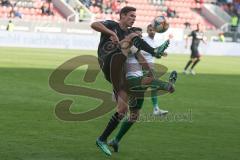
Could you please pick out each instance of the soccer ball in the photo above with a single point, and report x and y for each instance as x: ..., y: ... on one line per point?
x: 160, y: 24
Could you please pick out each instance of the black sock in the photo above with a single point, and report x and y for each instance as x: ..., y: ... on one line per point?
x: 142, y: 45
x: 112, y: 124
x: 188, y: 64
x: 194, y: 64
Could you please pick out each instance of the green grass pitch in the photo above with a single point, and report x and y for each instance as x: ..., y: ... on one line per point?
x: 29, y: 129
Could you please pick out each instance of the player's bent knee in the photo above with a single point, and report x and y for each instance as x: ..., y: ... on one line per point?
x: 125, y: 44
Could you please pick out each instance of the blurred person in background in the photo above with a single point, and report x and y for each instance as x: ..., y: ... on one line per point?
x: 10, y: 26
x: 234, y: 27
x: 197, y: 36
x: 234, y: 23
x: 81, y: 12
x: 221, y: 37
x: 6, y: 3
x: 15, y: 14
x: 150, y: 60
x: 46, y: 9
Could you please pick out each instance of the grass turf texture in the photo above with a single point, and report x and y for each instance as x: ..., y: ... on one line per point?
x: 31, y: 131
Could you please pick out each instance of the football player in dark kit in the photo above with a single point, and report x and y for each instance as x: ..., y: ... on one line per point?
x: 197, y: 36
x: 112, y: 56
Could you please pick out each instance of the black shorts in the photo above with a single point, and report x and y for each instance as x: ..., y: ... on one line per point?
x: 194, y: 52
x: 112, y: 65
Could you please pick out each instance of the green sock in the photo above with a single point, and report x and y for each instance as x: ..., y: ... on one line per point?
x: 154, y: 99
x: 126, y: 125
x: 155, y: 102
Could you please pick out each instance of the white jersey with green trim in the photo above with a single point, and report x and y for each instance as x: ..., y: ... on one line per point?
x: 133, y: 68
x: 148, y: 56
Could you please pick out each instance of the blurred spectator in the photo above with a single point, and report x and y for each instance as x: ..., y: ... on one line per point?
x: 158, y: 2
x: 98, y: 3
x: 15, y: 14
x: 234, y: 23
x: 115, y: 5
x: 46, y: 10
x: 10, y: 26
x: 11, y: 14
x: 81, y: 12
x: 231, y: 7
x: 199, y: 1
x: 123, y: 4
x: 6, y: 3
x: 221, y: 37
x: 106, y: 7
x: 237, y: 7
x: 86, y: 3
x: 171, y: 12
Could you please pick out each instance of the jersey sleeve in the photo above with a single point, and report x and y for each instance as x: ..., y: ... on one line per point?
x: 109, y: 24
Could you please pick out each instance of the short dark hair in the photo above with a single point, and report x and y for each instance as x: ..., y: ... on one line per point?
x: 127, y: 9
x: 150, y: 25
x: 134, y: 29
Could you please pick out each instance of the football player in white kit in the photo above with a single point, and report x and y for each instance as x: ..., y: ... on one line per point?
x: 150, y: 60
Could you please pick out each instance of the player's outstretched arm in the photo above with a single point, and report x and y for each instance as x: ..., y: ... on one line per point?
x: 99, y: 27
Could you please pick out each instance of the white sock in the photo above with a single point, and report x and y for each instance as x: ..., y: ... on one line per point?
x: 156, y: 108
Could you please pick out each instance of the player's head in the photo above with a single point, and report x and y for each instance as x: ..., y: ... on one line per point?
x: 137, y: 30
x: 200, y: 27
x: 128, y: 16
x: 150, y: 30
